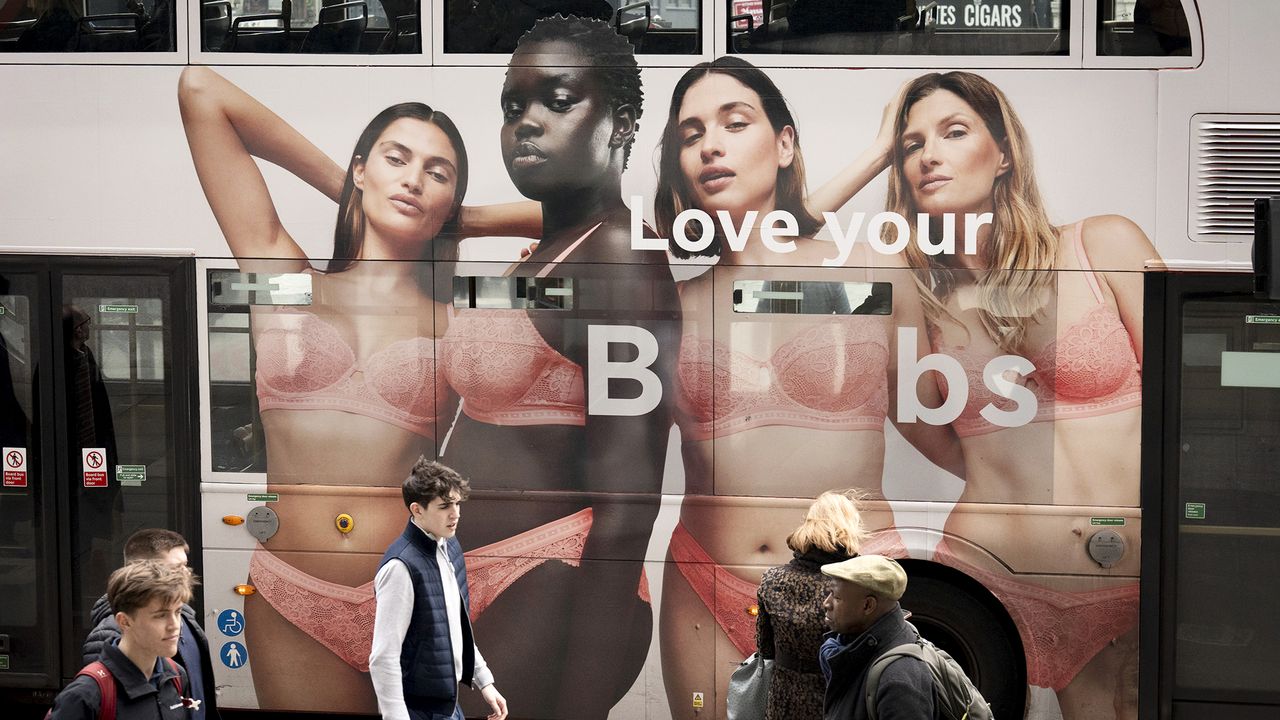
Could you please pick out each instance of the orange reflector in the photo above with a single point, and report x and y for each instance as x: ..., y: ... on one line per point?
x: 245, y: 589
x: 232, y: 520
x: 753, y: 611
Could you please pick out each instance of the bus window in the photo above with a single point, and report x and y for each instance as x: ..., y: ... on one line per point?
x: 900, y: 27
x: 332, y: 27
x: 50, y: 26
x: 513, y: 293
x: 1143, y: 28
x: 654, y: 27
x: 800, y: 297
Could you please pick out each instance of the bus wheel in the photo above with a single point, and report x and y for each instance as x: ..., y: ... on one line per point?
x: 961, y: 617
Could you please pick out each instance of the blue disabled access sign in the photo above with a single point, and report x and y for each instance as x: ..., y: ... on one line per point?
x: 231, y: 622
x: 234, y: 655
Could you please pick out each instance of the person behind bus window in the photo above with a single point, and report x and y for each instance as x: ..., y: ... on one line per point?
x: 590, y: 481
x: 790, y: 626
x: 98, y: 511
x: 1167, y: 21
x: 1031, y: 290
x: 496, y: 26
x: 785, y: 405
x: 168, y: 547
x: 812, y: 17
x: 54, y: 29
x: 354, y: 370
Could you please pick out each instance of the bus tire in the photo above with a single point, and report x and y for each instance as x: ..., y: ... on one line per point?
x: 960, y: 616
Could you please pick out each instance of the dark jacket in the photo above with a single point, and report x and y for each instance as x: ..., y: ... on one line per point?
x: 105, y: 631
x: 137, y: 698
x: 906, y: 687
x: 790, y: 629
x: 426, y: 656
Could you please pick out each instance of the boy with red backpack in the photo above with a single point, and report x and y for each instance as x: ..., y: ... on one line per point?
x: 135, y: 679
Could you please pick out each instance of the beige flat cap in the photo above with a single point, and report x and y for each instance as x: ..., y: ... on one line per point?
x: 877, y: 573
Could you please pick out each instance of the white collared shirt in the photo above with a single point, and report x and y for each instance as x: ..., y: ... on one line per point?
x: 393, y: 588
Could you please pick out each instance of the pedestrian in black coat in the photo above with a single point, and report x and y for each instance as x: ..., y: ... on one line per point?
x: 169, y: 547
x: 866, y: 622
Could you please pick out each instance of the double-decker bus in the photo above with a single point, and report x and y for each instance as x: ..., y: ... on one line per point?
x: 652, y: 277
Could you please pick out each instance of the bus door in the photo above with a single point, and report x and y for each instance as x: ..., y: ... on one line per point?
x: 1212, y: 452
x: 97, y: 425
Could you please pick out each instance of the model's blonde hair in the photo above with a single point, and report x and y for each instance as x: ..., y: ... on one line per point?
x: 833, y: 524
x: 1012, y: 292
x: 134, y: 586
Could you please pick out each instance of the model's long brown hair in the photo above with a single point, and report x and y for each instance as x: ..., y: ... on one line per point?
x: 1013, y: 289
x: 674, y: 195
x: 348, y: 234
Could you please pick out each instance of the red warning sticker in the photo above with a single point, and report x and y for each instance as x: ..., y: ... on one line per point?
x: 95, y: 467
x: 15, y: 467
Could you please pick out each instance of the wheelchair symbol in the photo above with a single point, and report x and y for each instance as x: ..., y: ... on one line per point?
x: 231, y: 622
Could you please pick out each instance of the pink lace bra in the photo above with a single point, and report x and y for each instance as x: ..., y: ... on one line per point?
x: 305, y: 364
x: 1090, y: 369
x: 505, y: 372
x: 831, y: 376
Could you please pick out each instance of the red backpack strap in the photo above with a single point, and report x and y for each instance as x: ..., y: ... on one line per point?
x: 177, y: 675
x: 106, y: 688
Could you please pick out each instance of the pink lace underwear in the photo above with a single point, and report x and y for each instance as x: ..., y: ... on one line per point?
x: 1060, y: 631
x: 726, y: 595
x: 494, y: 567
x: 336, y: 616
x: 341, y: 617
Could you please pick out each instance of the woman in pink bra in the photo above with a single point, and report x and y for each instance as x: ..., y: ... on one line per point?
x: 769, y: 405
x: 565, y: 491
x: 961, y: 149
x: 345, y: 386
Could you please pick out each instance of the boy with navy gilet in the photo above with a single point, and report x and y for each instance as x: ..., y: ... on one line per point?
x: 422, y: 642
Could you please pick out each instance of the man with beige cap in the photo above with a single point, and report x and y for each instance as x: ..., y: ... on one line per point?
x: 866, y: 621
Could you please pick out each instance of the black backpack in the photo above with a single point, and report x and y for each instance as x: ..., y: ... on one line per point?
x: 953, y: 691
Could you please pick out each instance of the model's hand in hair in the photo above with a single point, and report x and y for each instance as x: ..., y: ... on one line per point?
x: 226, y: 129
x: 865, y: 167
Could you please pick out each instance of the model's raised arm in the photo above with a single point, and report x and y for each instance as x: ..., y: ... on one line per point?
x: 226, y: 129
x: 516, y: 219
x: 865, y: 167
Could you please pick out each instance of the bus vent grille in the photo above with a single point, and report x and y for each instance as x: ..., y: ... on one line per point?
x: 1237, y: 160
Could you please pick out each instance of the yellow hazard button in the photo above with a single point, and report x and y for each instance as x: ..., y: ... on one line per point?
x: 345, y: 523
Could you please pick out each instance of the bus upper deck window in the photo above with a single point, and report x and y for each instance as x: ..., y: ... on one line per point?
x: 1143, y: 28
x: 330, y: 27
x: 653, y: 27
x: 115, y: 26
x: 900, y: 27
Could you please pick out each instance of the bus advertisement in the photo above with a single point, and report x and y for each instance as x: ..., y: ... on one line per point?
x: 650, y: 313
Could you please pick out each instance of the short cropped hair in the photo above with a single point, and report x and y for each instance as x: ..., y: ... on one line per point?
x: 152, y: 544
x: 833, y: 524
x: 134, y: 586
x: 613, y: 59
x: 430, y: 480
